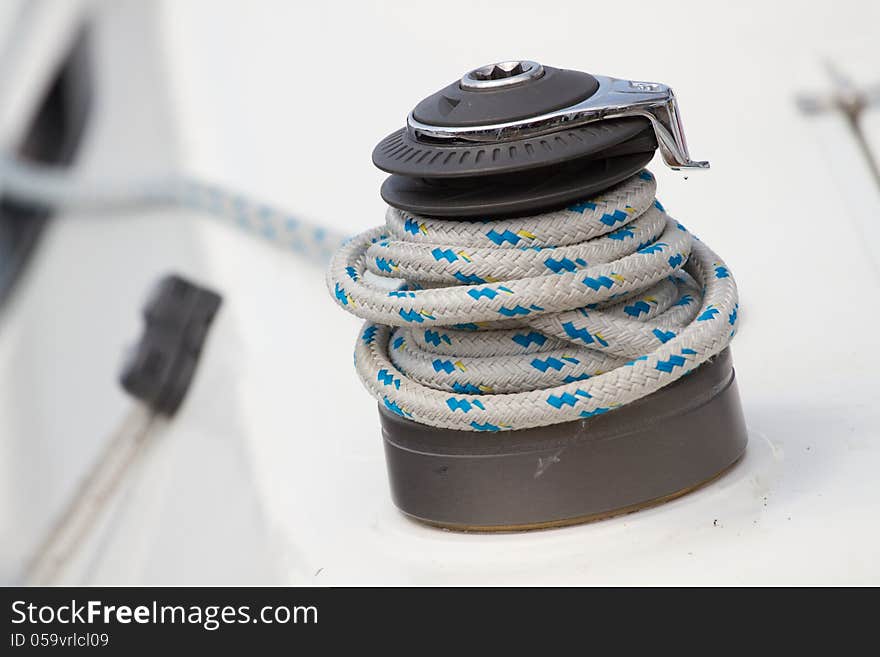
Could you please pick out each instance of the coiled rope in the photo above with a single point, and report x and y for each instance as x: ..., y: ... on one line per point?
x: 526, y: 322
x: 485, y: 325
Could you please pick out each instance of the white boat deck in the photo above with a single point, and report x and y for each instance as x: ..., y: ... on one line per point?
x: 273, y: 470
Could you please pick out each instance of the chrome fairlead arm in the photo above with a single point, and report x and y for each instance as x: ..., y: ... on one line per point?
x: 614, y: 99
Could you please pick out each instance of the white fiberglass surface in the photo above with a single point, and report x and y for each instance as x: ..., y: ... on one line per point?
x: 305, y: 93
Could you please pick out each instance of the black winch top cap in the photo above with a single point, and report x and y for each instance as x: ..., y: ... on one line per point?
x: 520, y: 175
x: 455, y: 105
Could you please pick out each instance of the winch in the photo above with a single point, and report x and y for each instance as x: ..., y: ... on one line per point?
x: 518, y: 137
x: 548, y: 346
x: 546, y: 343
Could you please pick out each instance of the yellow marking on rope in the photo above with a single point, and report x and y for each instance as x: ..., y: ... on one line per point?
x: 460, y: 366
x: 526, y: 234
x: 618, y: 278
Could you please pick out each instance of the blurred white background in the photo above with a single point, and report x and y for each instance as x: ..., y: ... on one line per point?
x: 261, y: 477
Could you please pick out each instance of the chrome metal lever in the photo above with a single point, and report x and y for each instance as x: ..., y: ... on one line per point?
x: 614, y: 99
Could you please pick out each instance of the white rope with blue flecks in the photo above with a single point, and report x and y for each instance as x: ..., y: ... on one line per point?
x: 518, y: 323
x: 59, y: 188
x: 496, y: 325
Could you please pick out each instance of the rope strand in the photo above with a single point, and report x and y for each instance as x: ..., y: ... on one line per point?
x: 59, y: 188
